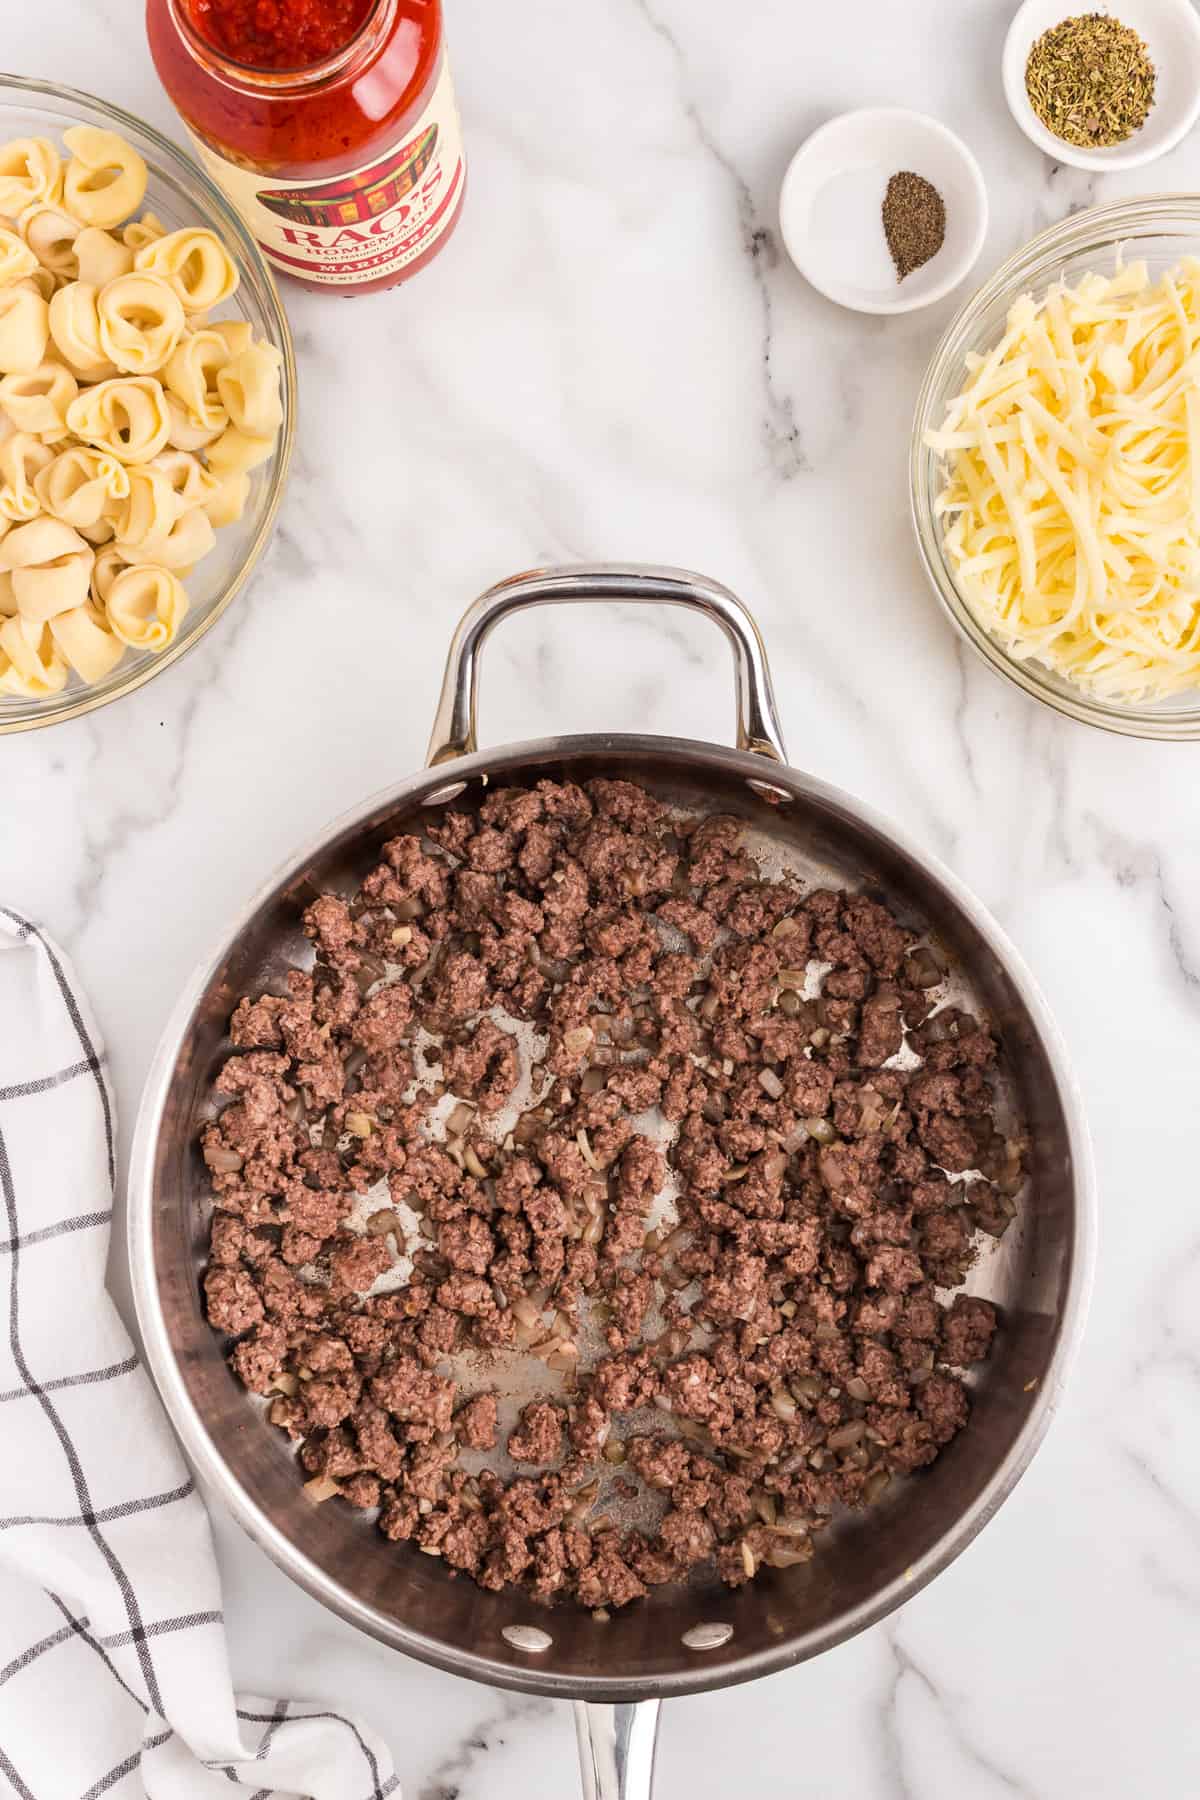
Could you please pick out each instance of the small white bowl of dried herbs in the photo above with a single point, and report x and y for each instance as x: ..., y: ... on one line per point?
x: 1112, y: 87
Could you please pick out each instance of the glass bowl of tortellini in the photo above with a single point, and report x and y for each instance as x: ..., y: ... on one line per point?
x: 147, y: 399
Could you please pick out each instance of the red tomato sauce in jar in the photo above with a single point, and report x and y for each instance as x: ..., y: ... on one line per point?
x: 278, y: 34
x: 330, y: 124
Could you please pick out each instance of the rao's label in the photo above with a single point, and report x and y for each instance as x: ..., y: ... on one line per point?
x: 366, y: 223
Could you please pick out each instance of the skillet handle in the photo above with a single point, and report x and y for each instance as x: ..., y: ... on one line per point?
x: 616, y: 1748
x: 454, y: 728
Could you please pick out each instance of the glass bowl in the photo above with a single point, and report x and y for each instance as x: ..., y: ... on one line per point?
x: 1161, y: 230
x: 181, y: 194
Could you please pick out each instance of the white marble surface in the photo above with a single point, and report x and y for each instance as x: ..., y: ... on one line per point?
x: 612, y: 361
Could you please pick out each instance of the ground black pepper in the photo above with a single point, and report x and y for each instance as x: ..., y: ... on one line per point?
x: 914, y: 221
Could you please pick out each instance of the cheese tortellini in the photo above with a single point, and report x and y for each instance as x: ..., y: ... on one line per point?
x: 24, y: 328
x: 146, y: 514
x: 50, y: 233
x: 107, y: 566
x: 126, y: 416
x: 56, y: 584
x: 74, y: 321
x: 145, y: 606
x: 87, y: 641
x: 130, y: 419
x: 81, y: 486
x: 37, y: 402
x: 236, y: 452
x: 17, y: 260
x: 249, y: 386
x: 22, y: 459
x: 105, y: 179
x: 141, y: 322
x: 186, y: 431
x: 229, y: 502
x: 100, y: 257
x: 140, y: 232
x: 193, y: 374
x: 190, y: 480
x: 30, y: 661
x: 30, y: 170
x: 196, y: 264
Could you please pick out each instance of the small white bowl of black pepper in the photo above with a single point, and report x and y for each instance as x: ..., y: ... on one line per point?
x: 1112, y: 87
x: 883, y: 210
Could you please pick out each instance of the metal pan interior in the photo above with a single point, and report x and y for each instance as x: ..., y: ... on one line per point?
x: 866, y: 1564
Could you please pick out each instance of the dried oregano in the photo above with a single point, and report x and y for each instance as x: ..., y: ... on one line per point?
x: 1090, y: 81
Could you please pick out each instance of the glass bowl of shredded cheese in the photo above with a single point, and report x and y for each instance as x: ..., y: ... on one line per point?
x: 1055, y: 468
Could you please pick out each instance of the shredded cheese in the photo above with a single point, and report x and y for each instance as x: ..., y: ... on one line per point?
x: 1070, y: 504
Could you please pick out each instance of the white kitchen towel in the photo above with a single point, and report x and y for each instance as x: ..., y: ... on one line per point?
x: 114, y: 1671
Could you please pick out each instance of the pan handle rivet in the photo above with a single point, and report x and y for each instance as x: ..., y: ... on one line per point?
x: 707, y: 1637
x: 444, y: 795
x: 766, y: 790
x: 527, y: 1637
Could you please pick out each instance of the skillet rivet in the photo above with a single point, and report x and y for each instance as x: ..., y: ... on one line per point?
x: 527, y: 1637
x: 443, y: 795
x: 766, y: 790
x: 707, y: 1637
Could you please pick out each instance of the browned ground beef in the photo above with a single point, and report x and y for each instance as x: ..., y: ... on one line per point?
x: 782, y: 1332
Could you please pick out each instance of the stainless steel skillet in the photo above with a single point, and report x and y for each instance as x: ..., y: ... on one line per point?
x: 684, y: 1639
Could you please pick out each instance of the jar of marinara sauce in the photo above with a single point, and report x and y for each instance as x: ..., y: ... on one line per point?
x: 331, y: 125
